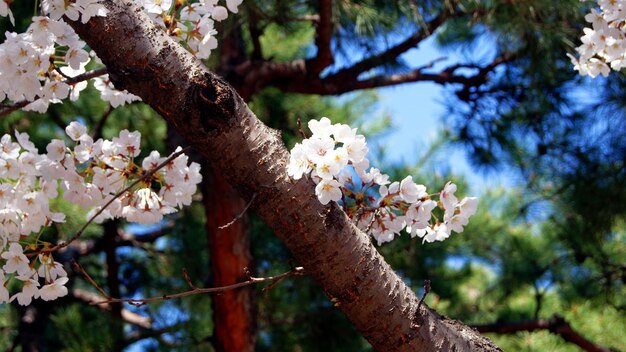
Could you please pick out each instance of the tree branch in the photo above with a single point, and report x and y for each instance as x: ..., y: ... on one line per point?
x: 127, y: 315
x: 352, y: 73
x: 556, y: 325
x: 109, y: 301
x: 332, y: 86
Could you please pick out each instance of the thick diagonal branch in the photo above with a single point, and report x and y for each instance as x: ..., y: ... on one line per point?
x: 210, y: 115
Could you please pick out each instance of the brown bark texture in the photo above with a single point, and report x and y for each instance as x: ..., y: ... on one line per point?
x: 229, y: 248
x: 210, y: 115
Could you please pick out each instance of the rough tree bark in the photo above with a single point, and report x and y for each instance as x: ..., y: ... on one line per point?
x: 216, y: 122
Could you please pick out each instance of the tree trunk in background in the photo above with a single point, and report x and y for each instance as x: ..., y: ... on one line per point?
x: 34, y: 319
x: 229, y: 254
x: 229, y: 248
x: 111, y: 229
x: 233, y: 311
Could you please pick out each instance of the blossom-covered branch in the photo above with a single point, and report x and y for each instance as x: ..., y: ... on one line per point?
x: 101, y: 176
x: 37, y: 65
x: 335, y: 157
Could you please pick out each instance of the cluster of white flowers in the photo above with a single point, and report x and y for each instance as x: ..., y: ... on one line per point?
x: 192, y: 24
x: 35, y: 65
x: 89, y: 175
x: 605, y: 43
x: 378, y: 207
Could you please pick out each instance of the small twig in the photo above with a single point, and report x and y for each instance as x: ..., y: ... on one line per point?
x: 119, y: 194
x: 90, y: 279
x: 300, y: 129
x: 426, y: 290
x: 369, y: 226
x: 188, y: 279
x: 240, y: 215
x: 298, y: 271
x: 432, y: 63
x: 58, y: 70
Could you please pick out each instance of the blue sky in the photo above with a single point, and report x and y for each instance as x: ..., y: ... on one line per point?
x: 417, y: 111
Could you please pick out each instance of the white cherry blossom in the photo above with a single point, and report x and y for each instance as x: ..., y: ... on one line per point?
x: 327, y: 191
x: 54, y: 289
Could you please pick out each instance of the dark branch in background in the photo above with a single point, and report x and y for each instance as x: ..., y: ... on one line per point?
x: 332, y: 86
x: 556, y: 325
x: 444, y: 77
x: 296, y: 76
x: 352, y: 73
x: 57, y: 119
x: 97, y: 130
x: 7, y: 109
x: 323, y: 33
x: 145, y: 333
x: 87, y: 247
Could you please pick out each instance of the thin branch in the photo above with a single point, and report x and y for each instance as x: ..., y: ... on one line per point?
x: 188, y: 279
x: 426, y: 291
x: 299, y: 122
x: 88, y: 278
x: 7, y: 109
x: 57, y: 69
x: 298, y: 271
x: 556, y: 325
x: 119, y: 194
x: 330, y: 86
x: 240, y: 215
x: 97, y: 130
x: 127, y: 315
